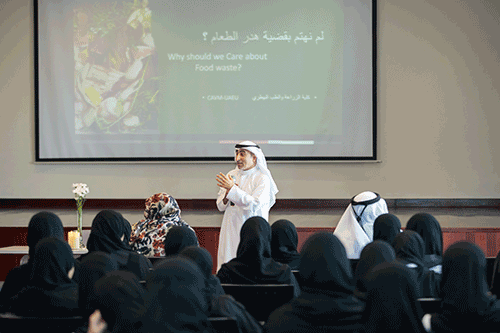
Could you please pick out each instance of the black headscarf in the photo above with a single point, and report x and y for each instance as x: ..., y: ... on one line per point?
x: 428, y: 227
x: 204, y: 260
x: 108, y: 227
x: 121, y: 300
x: 391, y: 300
x: 409, y: 247
x: 41, y: 225
x: 464, y: 291
x: 176, y: 301
x: 253, y: 262
x: 284, y: 242
x: 324, y: 264
x: 106, y: 234
x: 50, y: 290
x: 52, y: 260
x: 386, y: 227
x: 220, y: 304
x: 372, y: 254
x: 326, y: 302
x: 94, y: 266
x: 179, y: 237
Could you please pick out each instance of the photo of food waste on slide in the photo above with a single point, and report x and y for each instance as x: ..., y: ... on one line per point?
x: 115, y: 61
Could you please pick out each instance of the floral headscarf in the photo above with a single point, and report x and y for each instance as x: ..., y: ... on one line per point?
x: 162, y: 205
x: 162, y: 213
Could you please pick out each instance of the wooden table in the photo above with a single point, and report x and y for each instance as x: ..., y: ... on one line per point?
x: 25, y: 250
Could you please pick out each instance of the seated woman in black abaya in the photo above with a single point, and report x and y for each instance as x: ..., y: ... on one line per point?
x: 429, y: 229
x: 466, y: 300
x: 220, y: 304
x: 121, y: 299
x: 108, y: 234
x: 386, y: 227
x: 410, y: 250
x: 50, y: 289
x: 94, y: 266
x: 373, y: 254
x: 176, y: 298
x: 391, y: 300
x: 178, y: 238
x: 253, y: 263
x: 41, y: 225
x: 284, y: 242
x: 326, y: 303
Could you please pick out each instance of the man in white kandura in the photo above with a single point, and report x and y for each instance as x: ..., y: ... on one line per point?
x: 355, y: 227
x: 246, y: 191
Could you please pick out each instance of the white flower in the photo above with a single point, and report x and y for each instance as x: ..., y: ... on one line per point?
x: 80, y: 190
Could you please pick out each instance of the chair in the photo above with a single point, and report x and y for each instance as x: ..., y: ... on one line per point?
x: 260, y: 299
x: 10, y: 323
x: 430, y: 305
x: 224, y: 325
x: 154, y: 260
x: 354, y: 264
x: 297, y: 275
x: 24, y: 260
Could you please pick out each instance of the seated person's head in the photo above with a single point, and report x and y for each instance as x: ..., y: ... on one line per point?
x: 42, y: 225
x: 178, y: 238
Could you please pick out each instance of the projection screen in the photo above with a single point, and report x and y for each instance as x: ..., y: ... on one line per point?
x: 184, y: 80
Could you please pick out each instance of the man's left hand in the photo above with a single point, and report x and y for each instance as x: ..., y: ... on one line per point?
x: 224, y: 181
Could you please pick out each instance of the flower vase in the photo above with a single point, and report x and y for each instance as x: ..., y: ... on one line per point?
x: 79, y: 225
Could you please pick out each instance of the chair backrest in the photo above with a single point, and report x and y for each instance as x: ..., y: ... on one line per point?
x: 430, y: 305
x: 224, y: 325
x: 296, y: 274
x: 15, y: 324
x: 354, y: 264
x: 154, y: 260
x: 24, y: 260
x: 260, y: 299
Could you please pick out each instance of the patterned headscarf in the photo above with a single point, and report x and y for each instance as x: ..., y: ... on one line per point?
x: 162, y: 205
x: 162, y: 213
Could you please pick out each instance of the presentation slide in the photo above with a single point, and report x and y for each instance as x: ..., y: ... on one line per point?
x: 186, y: 80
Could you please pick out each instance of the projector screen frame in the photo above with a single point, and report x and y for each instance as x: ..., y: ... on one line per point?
x: 196, y: 159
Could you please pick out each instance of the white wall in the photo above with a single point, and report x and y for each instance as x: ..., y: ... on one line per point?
x: 438, y: 112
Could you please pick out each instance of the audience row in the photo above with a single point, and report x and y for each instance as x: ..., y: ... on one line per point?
x: 115, y: 281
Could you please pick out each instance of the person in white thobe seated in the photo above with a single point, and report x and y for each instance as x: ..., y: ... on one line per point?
x: 355, y: 228
x: 246, y: 191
